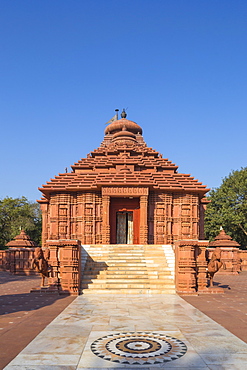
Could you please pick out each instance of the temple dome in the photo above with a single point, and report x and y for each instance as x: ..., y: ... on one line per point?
x: 22, y: 241
x: 124, y: 135
x: 121, y: 124
x: 223, y: 240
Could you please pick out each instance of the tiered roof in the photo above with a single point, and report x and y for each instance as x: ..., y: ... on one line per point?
x: 22, y: 241
x: 223, y: 240
x: 123, y: 159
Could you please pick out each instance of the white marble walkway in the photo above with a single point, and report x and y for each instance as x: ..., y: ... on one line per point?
x: 135, y: 332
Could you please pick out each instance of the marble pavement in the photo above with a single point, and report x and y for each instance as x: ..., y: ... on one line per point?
x: 133, y: 332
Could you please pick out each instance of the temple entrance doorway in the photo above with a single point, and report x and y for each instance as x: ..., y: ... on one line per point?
x: 125, y: 220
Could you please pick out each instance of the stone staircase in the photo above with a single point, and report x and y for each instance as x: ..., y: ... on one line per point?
x: 129, y: 269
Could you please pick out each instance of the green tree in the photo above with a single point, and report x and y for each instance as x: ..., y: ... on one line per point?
x: 16, y: 214
x: 228, y: 208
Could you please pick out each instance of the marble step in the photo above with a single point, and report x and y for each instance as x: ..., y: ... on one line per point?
x: 126, y: 264
x: 114, y: 276
x: 122, y: 262
x: 122, y: 269
x: 133, y: 264
x: 126, y: 276
x: 126, y: 252
x: 126, y: 258
x: 129, y: 291
x: 124, y: 280
x: 124, y: 272
x: 126, y: 286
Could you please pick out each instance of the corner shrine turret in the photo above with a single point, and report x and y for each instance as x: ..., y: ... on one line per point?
x: 124, y: 192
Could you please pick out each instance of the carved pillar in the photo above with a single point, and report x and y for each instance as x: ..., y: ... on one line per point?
x: 70, y: 267
x: 201, y: 262
x: 65, y: 261
x: 44, y: 210
x: 185, y: 267
x: 202, y: 208
x: 54, y: 278
x: 143, y: 219
x: 106, y: 219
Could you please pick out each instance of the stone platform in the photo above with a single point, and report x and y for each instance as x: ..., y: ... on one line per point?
x: 141, y: 331
x: 23, y: 315
x: 147, y: 332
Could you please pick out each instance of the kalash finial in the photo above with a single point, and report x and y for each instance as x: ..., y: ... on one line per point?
x: 123, y: 114
x: 116, y: 115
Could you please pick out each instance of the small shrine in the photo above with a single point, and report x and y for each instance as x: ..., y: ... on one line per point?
x: 230, y: 253
x: 21, y: 241
x: 17, y: 258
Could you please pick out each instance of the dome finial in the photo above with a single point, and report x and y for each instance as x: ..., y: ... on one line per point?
x: 123, y: 114
x: 116, y: 115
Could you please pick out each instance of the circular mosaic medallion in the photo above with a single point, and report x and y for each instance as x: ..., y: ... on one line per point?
x: 138, y: 348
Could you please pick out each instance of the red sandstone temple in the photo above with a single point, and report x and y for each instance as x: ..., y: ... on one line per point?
x: 124, y: 220
x: 124, y: 192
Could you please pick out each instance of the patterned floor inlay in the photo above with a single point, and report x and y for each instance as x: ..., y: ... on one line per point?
x: 138, y: 348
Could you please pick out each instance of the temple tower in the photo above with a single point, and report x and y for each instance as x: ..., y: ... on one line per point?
x: 124, y: 192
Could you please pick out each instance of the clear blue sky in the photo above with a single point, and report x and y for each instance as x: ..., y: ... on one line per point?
x: 179, y: 66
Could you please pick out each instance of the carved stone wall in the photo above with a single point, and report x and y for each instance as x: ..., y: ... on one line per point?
x: 73, y: 216
x: 88, y: 218
x: 160, y: 218
x: 172, y: 216
x: 185, y: 216
x: 165, y: 216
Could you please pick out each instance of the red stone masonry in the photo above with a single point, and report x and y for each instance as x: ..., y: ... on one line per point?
x: 77, y: 205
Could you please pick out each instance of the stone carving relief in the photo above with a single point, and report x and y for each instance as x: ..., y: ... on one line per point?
x: 40, y: 263
x: 214, y: 265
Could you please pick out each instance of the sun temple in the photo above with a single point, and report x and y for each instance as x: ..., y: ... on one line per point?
x: 124, y: 220
x: 124, y: 192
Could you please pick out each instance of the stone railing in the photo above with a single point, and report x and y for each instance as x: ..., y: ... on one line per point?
x: 17, y: 261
